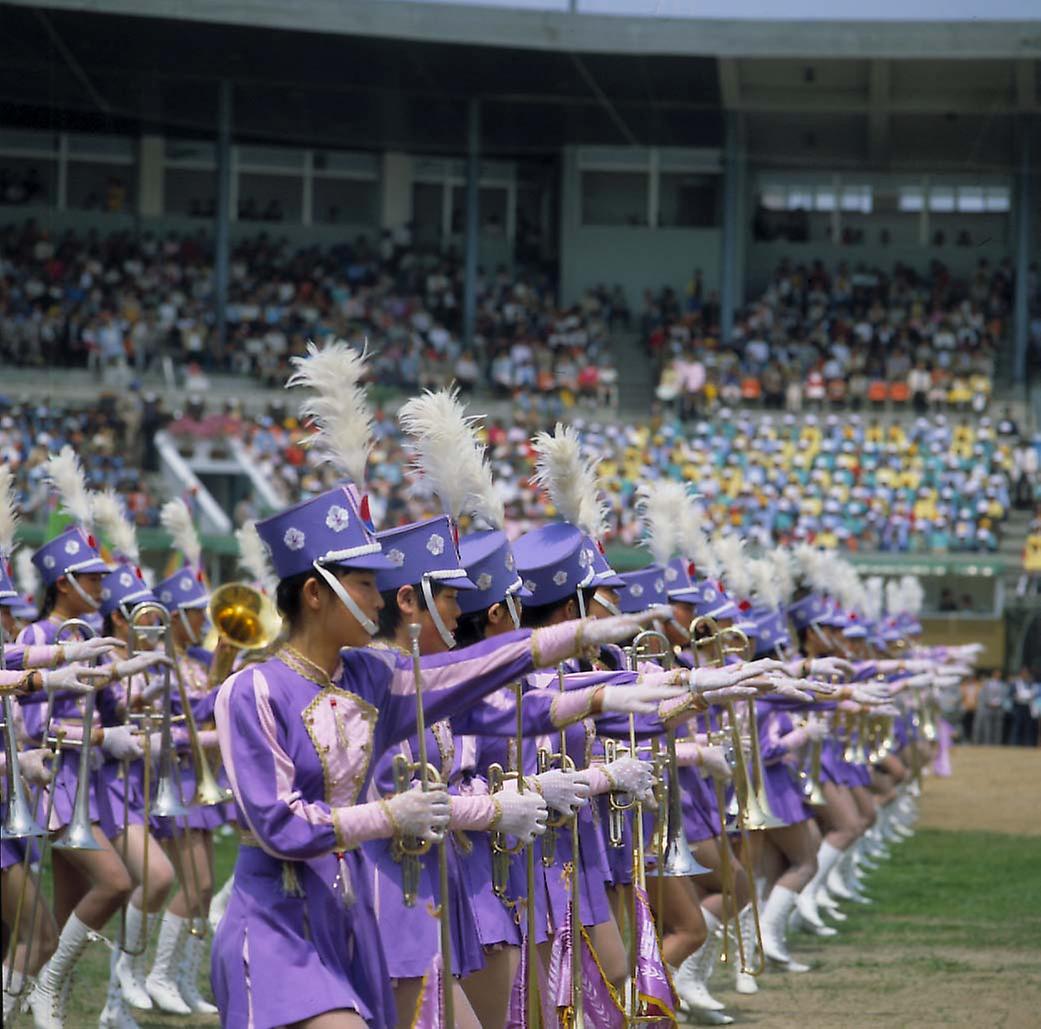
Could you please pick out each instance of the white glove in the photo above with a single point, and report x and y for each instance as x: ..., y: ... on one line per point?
x: 729, y: 693
x: 641, y: 698
x: 633, y: 777
x: 139, y: 662
x: 422, y: 813
x: 33, y: 764
x: 119, y: 742
x: 832, y: 666
x: 88, y: 650
x: 598, y: 631
x: 153, y: 688
x: 703, y: 679
x: 74, y: 678
x: 714, y: 762
x: 791, y: 689
x: 564, y: 792
x: 815, y: 730
x: 763, y: 665
x: 523, y: 815
x: 889, y: 710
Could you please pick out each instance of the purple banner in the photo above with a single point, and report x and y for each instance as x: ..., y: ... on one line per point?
x: 517, y: 1013
x: 652, y: 979
x: 430, y: 1012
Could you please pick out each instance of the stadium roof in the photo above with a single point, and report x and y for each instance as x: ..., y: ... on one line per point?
x: 392, y: 74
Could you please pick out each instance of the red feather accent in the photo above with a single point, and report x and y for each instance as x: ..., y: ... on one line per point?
x: 91, y: 542
x: 744, y: 606
x: 692, y: 569
x: 364, y: 510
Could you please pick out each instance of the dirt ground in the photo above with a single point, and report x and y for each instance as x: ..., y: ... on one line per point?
x: 993, y: 789
x: 859, y: 981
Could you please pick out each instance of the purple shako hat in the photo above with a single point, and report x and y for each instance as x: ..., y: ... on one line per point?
x: 72, y: 552
x: 554, y: 561
x: 643, y: 589
x: 490, y: 565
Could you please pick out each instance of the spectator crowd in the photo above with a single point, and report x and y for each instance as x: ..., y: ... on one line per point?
x: 995, y: 710
x: 819, y: 340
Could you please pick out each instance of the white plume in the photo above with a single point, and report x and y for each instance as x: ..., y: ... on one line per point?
x: 570, y: 480
x: 448, y: 457
x: 694, y: 537
x: 254, y: 557
x: 662, y: 505
x: 894, y: 596
x: 733, y: 561
x: 176, y: 519
x: 65, y: 474
x: 8, y: 510
x: 814, y: 567
x: 914, y: 595
x: 765, y: 586
x: 339, y: 406
x: 873, y: 589
x: 113, y: 523
x: 781, y: 569
x: 25, y: 573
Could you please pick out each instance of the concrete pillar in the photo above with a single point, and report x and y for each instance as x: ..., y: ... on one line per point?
x: 472, y: 242
x: 728, y: 289
x: 150, y: 176
x: 222, y: 232
x: 396, y: 207
x: 1025, y: 213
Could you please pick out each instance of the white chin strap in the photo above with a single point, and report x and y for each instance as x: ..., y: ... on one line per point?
x: 346, y: 599
x: 511, y: 606
x: 193, y: 636
x: 581, y: 603
x: 442, y: 630
x: 81, y: 592
x: 682, y: 630
x: 608, y: 605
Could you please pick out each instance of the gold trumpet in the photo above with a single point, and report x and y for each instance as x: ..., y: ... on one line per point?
x: 243, y: 619
x: 546, y: 760
x: 502, y: 850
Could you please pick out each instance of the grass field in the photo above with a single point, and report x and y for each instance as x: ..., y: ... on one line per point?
x: 954, y: 938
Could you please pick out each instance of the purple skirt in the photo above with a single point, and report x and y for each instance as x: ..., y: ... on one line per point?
x: 593, y: 873
x: 410, y: 936
x: 281, y: 956
x: 64, y: 790
x: 619, y: 859
x: 129, y: 791
x: 496, y: 920
x: 700, y: 811
x: 206, y: 818
x: 783, y: 793
x: 12, y: 851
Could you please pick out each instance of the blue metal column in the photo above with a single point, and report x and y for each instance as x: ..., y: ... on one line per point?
x: 728, y: 291
x: 1024, y: 215
x: 472, y: 244
x: 222, y: 231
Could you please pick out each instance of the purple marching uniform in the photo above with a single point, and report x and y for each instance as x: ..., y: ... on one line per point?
x: 786, y: 798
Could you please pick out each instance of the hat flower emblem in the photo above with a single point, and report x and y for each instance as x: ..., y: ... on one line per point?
x: 484, y: 581
x: 48, y: 561
x: 395, y: 557
x: 72, y: 547
x: 585, y: 558
x: 671, y: 574
x: 560, y: 578
x: 106, y: 593
x: 338, y: 518
x: 126, y: 579
x: 184, y: 583
x: 636, y: 590
x: 659, y: 585
x: 511, y: 562
x: 530, y: 585
x: 166, y: 596
x: 436, y: 544
x: 294, y: 538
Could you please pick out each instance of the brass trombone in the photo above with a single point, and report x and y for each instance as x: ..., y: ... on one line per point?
x: 244, y: 619
x: 409, y: 850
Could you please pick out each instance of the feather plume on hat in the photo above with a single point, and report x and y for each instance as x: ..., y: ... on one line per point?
x: 25, y: 573
x: 813, y: 567
x: 448, y: 458
x: 733, y: 563
x: 176, y: 519
x: 914, y: 595
x: 694, y: 539
x: 8, y: 511
x: 765, y: 587
x: 570, y: 480
x: 662, y: 505
x: 781, y: 569
x: 873, y: 589
x: 254, y: 558
x: 65, y: 475
x: 338, y: 406
x: 113, y: 523
x: 894, y: 596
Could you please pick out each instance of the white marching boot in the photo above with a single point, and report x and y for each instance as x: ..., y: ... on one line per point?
x: 219, y: 904
x: 773, y: 920
x: 114, y: 1015
x: 162, y: 980
x: 693, y: 975
x: 130, y: 968
x: 806, y: 904
x: 11, y: 999
x: 745, y: 982
x: 49, y: 1000
x: 827, y: 906
x: 188, y: 976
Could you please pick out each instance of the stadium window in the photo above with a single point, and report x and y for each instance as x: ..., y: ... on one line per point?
x: 270, y: 197
x: 28, y: 180
x: 911, y: 199
x: 346, y: 201
x: 800, y: 198
x: 824, y: 199
x: 614, y: 198
x: 856, y: 198
x: 100, y: 173
x: 997, y: 198
x: 970, y: 199
x: 190, y: 191
x: 774, y: 198
x: 942, y: 199
x: 688, y: 200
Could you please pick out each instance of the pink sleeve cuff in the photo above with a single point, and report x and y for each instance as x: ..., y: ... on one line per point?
x: 477, y: 813
x: 555, y: 643
x: 209, y: 739
x: 793, y: 740
x: 568, y: 708
x: 361, y: 822
x: 687, y: 754
x: 599, y: 781
x: 670, y: 710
